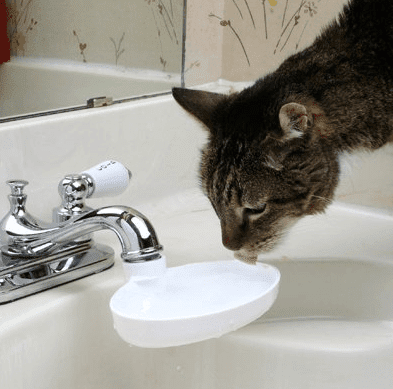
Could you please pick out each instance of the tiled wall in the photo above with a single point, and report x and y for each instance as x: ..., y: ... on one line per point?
x: 143, y: 34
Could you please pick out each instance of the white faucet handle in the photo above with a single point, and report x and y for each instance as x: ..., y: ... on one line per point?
x: 109, y: 178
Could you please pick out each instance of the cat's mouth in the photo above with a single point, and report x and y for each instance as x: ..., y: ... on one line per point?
x: 249, y: 253
x: 246, y: 257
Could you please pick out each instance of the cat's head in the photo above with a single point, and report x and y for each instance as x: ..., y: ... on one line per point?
x: 263, y: 167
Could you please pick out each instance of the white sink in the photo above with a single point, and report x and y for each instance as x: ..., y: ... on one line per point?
x: 330, y: 327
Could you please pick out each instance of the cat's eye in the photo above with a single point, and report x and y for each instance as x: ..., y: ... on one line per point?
x: 255, y: 211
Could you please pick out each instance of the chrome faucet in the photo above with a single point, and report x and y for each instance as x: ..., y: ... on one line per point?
x: 36, y: 256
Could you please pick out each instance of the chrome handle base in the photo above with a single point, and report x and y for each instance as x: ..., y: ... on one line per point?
x: 21, y: 281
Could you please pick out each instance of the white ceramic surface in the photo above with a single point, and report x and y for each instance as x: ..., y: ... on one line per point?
x: 330, y: 327
x: 194, y: 302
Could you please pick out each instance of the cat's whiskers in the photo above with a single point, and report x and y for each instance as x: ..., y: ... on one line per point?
x: 322, y: 198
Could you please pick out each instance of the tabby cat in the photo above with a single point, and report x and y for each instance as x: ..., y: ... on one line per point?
x: 273, y: 149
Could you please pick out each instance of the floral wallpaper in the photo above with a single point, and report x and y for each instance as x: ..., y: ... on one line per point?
x: 255, y: 36
x: 288, y: 24
x: 142, y: 34
x: 237, y: 40
x: 20, y: 24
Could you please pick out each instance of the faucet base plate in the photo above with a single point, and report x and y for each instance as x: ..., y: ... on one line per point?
x: 60, y: 270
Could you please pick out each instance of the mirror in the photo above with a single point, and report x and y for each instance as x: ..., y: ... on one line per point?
x: 64, y: 53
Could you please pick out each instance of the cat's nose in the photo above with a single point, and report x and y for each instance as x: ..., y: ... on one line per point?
x: 232, y: 234
x: 231, y: 242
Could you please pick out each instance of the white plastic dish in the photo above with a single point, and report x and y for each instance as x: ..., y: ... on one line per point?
x: 191, y: 303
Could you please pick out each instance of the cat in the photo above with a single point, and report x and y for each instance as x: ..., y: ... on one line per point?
x: 274, y: 148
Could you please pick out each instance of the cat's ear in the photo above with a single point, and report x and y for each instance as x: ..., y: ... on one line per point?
x: 200, y: 104
x: 293, y: 120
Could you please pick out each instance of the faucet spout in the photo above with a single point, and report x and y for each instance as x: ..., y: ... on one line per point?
x: 136, y: 234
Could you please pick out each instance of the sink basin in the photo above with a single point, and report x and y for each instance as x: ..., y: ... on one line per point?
x: 330, y: 327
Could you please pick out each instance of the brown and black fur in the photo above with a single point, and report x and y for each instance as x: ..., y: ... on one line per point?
x: 272, y: 154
